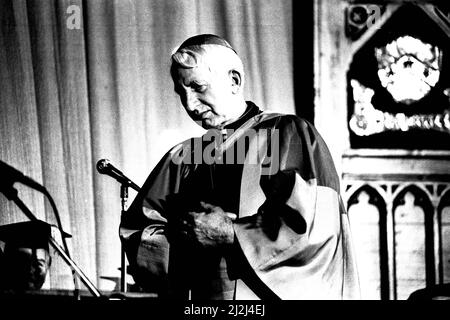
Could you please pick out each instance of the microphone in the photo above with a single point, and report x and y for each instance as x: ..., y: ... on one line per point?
x: 105, y: 167
x: 11, y: 175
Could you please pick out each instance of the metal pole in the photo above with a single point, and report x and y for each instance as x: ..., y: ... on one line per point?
x: 75, y: 268
x: 123, y: 266
x: 11, y: 194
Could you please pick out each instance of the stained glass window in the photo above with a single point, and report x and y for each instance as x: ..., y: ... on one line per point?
x: 399, y: 85
x: 408, y: 68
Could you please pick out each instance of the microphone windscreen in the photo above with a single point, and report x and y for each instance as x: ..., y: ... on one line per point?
x: 102, y: 164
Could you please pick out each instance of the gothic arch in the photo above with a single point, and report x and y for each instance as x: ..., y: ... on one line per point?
x: 422, y: 199
x: 376, y: 198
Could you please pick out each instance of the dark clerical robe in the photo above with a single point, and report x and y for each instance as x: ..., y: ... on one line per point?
x: 292, y: 237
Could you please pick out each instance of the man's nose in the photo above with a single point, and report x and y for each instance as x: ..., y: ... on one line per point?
x: 191, y: 102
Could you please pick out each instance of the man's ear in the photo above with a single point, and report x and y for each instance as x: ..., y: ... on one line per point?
x: 236, y: 80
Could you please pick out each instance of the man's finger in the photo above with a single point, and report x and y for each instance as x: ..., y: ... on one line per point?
x: 192, y: 214
x: 206, y: 205
x: 230, y: 215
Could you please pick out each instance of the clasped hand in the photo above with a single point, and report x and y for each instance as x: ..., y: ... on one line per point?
x: 209, y: 226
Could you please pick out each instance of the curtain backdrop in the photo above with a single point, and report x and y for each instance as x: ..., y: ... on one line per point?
x: 69, y: 97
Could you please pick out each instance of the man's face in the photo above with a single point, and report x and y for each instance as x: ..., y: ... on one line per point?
x: 206, y: 95
x: 28, y: 267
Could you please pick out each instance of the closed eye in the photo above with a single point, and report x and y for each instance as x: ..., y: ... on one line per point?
x: 200, y: 88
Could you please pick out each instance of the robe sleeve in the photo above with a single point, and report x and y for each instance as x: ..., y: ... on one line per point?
x: 293, y: 241
x: 143, y: 228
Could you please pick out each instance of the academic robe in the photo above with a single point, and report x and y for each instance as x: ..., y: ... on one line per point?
x: 292, y: 236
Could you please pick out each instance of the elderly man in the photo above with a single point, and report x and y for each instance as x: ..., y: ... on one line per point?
x: 250, y: 210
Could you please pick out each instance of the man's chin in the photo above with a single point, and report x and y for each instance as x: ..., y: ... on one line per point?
x: 208, y: 124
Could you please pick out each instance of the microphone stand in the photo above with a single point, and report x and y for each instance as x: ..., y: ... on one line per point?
x: 105, y: 167
x: 65, y: 246
x: 123, y: 267
x: 12, y: 176
x: 12, y: 194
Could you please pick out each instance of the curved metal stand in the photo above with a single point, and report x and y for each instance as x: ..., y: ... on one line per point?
x: 123, y: 265
x: 11, y: 193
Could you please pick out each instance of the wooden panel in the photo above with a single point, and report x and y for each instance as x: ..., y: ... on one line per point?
x: 396, y: 162
x: 364, y: 221
x: 409, y: 247
x: 446, y: 244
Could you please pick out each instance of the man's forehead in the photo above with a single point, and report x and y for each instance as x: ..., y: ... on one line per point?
x: 200, y: 73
